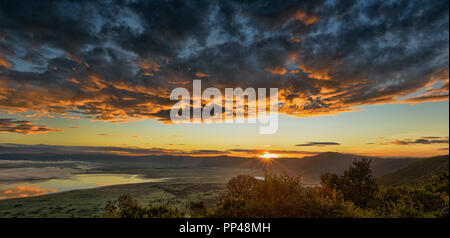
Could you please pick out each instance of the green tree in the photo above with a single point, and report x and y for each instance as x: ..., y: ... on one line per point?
x: 241, y: 185
x: 280, y: 197
x: 198, y: 209
x: 356, y: 184
x: 127, y: 207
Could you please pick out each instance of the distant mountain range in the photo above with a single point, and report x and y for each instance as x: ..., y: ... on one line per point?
x: 310, y: 168
x: 417, y: 172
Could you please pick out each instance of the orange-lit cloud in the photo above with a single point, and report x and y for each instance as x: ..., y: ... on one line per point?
x: 307, y: 19
x: 149, y: 66
x: 427, y: 98
x: 4, y: 62
x: 319, y: 74
x: 201, y: 75
x: 321, y: 63
x: 318, y: 144
x: 23, y: 127
x: 426, y: 140
x: 276, y: 70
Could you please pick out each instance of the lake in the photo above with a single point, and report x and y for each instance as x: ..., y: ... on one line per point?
x: 77, y: 181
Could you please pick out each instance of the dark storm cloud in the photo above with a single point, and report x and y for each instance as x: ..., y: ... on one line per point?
x: 318, y: 144
x: 116, y: 61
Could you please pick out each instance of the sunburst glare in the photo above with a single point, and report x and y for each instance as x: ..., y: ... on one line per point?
x: 268, y: 156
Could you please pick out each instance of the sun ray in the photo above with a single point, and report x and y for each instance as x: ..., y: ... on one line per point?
x: 268, y: 156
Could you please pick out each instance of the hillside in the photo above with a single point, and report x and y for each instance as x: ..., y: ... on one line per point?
x: 331, y: 162
x: 310, y: 168
x: 190, y: 178
x: 417, y: 171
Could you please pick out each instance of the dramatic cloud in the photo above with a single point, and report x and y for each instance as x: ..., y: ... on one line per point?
x: 118, y: 61
x: 426, y: 140
x: 318, y: 144
x: 23, y: 127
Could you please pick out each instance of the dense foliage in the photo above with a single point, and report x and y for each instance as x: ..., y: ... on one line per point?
x: 278, y: 197
x: 358, y: 186
x: 127, y: 207
x: 355, y: 193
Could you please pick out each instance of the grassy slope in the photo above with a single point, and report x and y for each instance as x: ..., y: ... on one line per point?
x: 416, y: 172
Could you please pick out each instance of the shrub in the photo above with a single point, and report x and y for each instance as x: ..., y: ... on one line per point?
x: 280, y: 197
x: 424, y: 200
x: 356, y: 184
x: 353, y: 194
x: 127, y: 207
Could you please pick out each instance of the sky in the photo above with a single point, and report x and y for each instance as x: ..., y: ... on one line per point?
x: 362, y: 77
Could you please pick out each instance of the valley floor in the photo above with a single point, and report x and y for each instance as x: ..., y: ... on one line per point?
x: 186, y: 185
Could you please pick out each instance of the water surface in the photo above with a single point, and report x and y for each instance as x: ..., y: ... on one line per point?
x: 76, y: 181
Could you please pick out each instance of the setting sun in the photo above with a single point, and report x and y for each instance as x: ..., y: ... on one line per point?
x: 268, y: 156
